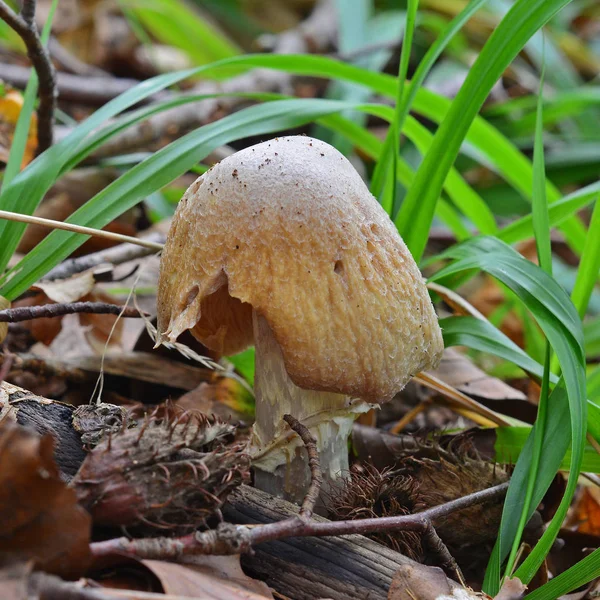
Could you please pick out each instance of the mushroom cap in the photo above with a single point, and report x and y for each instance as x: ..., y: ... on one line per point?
x: 288, y: 228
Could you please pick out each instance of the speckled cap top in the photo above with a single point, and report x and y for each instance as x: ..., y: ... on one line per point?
x: 289, y: 229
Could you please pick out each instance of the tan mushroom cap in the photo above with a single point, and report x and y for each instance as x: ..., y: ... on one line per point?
x: 289, y: 229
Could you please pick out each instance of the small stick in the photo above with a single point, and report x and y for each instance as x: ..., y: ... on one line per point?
x: 24, y: 25
x: 316, y: 476
x: 28, y: 313
x: 232, y: 539
x: 109, y: 235
x: 437, y: 546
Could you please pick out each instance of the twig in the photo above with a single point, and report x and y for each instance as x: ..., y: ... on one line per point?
x: 437, y: 547
x: 316, y: 477
x: 109, y: 235
x: 24, y: 26
x: 27, y: 313
x: 236, y: 539
x: 116, y: 255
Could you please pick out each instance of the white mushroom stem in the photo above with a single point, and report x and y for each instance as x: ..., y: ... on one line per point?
x: 281, y: 465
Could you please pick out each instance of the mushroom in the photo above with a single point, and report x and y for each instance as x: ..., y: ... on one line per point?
x: 282, y: 246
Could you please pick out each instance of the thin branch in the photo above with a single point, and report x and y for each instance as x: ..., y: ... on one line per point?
x: 109, y: 235
x: 236, y: 539
x: 28, y: 313
x: 438, y: 548
x: 316, y: 476
x: 24, y: 26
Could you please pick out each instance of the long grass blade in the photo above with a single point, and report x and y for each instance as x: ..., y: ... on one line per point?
x: 520, y: 23
x: 589, y: 265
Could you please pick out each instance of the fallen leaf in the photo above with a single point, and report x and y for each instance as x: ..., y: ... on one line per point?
x: 512, y: 589
x: 222, y: 396
x: 70, y: 289
x: 210, y: 578
x: 40, y: 519
x: 459, y: 371
x: 100, y: 329
x: 587, y: 511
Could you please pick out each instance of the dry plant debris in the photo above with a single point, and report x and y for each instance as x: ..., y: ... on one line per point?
x: 40, y: 519
x: 164, y: 474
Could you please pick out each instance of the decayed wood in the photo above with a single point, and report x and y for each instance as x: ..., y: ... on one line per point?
x: 341, y: 568
x: 45, y: 416
x: 71, y: 427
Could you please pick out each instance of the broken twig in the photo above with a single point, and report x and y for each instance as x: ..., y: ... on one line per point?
x: 238, y: 539
x: 316, y: 476
x: 28, y: 313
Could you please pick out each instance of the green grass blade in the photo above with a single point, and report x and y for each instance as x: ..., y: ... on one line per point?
x: 584, y: 571
x: 173, y: 23
x: 589, y: 266
x: 483, y: 336
x: 520, y: 23
x: 510, y: 442
x: 29, y: 187
x: 434, y: 52
x: 558, y: 319
x: 542, y: 239
x: 391, y: 148
x: 522, y: 228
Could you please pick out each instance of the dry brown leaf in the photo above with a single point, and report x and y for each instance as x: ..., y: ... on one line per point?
x: 587, y: 512
x: 71, y: 289
x: 460, y: 372
x: 40, y: 519
x: 210, y: 578
x: 94, y: 328
x: 100, y: 329
x: 222, y: 396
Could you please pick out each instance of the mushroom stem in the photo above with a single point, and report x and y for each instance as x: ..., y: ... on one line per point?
x: 279, y: 457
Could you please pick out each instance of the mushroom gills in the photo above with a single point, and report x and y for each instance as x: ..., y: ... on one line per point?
x: 278, y: 453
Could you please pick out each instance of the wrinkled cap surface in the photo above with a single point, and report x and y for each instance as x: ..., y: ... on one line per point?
x: 289, y: 229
